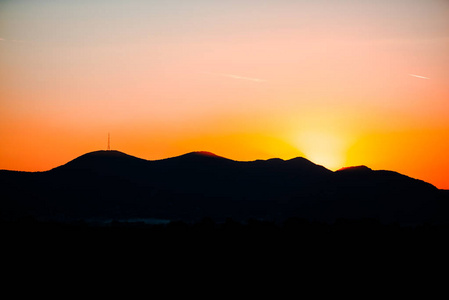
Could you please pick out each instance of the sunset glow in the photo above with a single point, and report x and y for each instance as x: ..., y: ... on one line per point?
x: 324, y: 148
x: 339, y: 82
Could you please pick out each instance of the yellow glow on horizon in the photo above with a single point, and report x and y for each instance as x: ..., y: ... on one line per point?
x: 324, y: 148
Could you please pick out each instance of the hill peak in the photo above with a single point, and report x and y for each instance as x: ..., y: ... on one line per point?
x: 202, y: 153
x: 361, y: 168
x: 100, y: 158
x: 114, y: 153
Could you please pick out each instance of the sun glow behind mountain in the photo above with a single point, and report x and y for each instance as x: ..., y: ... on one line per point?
x: 324, y: 148
x: 339, y: 82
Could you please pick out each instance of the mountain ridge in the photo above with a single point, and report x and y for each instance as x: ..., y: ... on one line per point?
x: 115, y: 185
x: 195, y: 155
x: 115, y: 154
x: 204, y: 154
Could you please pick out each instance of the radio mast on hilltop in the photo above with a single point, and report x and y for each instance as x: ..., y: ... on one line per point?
x: 109, y: 142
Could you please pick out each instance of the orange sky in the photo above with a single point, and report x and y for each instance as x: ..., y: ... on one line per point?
x: 340, y: 82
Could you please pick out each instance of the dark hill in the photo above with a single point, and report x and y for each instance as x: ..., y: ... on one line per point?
x: 101, y: 160
x: 355, y: 169
x: 113, y: 185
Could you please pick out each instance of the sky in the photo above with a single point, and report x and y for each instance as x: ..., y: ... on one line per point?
x: 342, y: 83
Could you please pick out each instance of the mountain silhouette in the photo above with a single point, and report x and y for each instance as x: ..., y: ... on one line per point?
x: 111, y: 185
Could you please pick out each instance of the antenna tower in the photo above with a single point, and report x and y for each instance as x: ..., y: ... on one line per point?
x: 109, y: 142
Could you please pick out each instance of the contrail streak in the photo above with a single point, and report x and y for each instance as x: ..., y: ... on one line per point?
x: 417, y: 76
x: 238, y: 77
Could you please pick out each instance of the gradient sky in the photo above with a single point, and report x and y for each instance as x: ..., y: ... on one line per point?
x: 340, y: 82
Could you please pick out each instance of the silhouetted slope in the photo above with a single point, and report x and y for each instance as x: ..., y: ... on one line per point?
x: 384, y: 195
x: 102, y: 161
x: 114, y: 185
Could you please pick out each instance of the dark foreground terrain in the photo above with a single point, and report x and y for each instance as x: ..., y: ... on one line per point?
x: 109, y: 185
x: 293, y: 235
x: 348, y: 257
x: 108, y: 215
